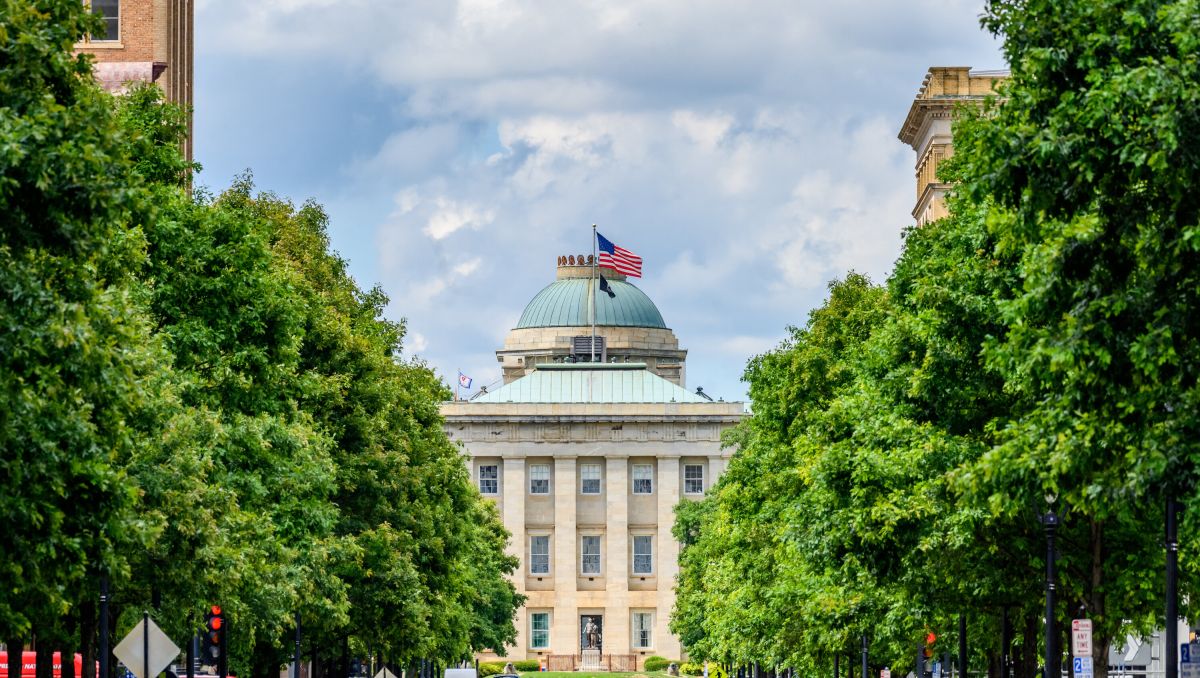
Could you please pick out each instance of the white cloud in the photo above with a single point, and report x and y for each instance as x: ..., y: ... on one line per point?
x: 747, y: 151
x: 450, y: 216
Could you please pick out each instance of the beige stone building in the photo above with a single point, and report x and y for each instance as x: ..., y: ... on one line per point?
x: 586, y: 457
x: 927, y: 128
x: 145, y: 41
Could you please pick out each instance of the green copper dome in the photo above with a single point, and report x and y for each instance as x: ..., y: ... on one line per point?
x: 564, y: 303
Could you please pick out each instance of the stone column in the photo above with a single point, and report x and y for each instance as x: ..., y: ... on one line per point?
x: 616, y: 584
x: 667, y: 556
x: 564, y: 635
x: 716, y: 466
x: 513, y: 491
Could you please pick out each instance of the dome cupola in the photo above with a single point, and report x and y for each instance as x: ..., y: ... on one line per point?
x: 556, y: 325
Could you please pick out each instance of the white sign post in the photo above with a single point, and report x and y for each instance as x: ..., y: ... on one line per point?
x: 143, y: 652
x: 1081, y: 637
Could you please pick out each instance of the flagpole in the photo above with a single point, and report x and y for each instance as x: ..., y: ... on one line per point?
x: 592, y: 293
x: 457, y: 382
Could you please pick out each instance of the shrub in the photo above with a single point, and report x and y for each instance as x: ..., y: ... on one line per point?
x: 490, y: 669
x: 655, y: 663
x: 697, y: 669
x: 528, y: 665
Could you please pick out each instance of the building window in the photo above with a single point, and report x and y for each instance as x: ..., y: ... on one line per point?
x: 643, y: 479
x: 110, y: 12
x: 590, y: 479
x: 539, y: 630
x: 539, y: 479
x: 643, y: 554
x: 589, y: 548
x: 693, y: 479
x: 489, y: 479
x: 643, y: 626
x: 539, y: 554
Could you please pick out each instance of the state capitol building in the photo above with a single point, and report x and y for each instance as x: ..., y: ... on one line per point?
x: 586, y: 457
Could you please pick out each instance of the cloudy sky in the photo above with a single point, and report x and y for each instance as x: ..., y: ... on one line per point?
x: 747, y: 150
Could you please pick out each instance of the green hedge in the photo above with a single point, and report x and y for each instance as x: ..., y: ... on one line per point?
x: 490, y: 669
x: 656, y: 663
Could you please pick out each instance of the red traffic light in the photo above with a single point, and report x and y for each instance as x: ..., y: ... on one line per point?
x: 930, y: 638
x: 216, y: 623
x: 216, y: 609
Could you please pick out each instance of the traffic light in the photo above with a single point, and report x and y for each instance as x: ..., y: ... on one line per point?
x: 930, y: 639
x: 212, y: 648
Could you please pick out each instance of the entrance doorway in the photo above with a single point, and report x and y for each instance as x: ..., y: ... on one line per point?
x: 591, y: 632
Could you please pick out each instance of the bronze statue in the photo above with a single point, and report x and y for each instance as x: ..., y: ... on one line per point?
x: 592, y: 633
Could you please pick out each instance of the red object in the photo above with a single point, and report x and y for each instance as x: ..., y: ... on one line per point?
x: 618, y: 258
x: 29, y: 664
x: 930, y: 638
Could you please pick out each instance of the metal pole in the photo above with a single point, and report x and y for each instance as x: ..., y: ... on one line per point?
x: 864, y: 656
x: 1005, y: 642
x: 104, y: 649
x: 592, y: 291
x: 296, y: 650
x: 223, y: 635
x: 1050, y: 520
x: 1172, y: 620
x: 920, y: 672
x: 962, y: 644
x: 837, y: 673
x: 191, y: 656
x: 145, y: 644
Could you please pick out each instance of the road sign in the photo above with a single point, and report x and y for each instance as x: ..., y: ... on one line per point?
x: 885, y: 673
x: 1083, y: 667
x: 1189, y: 660
x: 1081, y: 637
x: 384, y: 673
x: 131, y: 650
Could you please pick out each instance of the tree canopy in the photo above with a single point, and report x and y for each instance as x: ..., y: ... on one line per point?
x: 1038, y: 345
x: 202, y: 405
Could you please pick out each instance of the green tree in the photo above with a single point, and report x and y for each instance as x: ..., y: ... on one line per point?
x: 1091, y: 162
x: 82, y: 376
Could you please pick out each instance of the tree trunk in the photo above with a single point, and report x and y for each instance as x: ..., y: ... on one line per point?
x: 45, y: 657
x: 16, y: 649
x: 1027, y: 666
x: 88, y: 624
x: 66, y: 653
x: 993, y: 665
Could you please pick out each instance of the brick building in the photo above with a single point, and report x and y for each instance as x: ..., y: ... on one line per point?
x: 145, y: 41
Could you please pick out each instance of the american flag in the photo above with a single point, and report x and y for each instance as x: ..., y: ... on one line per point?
x: 618, y: 258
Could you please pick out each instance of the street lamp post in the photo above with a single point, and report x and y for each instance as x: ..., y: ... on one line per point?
x: 864, y: 656
x: 1172, y: 616
x: 1050, y: 522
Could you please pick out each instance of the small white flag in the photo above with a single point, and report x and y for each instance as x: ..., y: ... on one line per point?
x: 464, y: 381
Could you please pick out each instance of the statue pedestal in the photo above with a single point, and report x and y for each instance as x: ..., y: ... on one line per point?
x: 590, y: 661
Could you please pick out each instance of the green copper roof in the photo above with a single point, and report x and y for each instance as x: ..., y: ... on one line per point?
x: 564, y: 303
x: 590, y: 383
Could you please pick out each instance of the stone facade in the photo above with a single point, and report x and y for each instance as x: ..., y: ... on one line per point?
x: 153, y: 43
x: 927, y: 129
x: 614, y: 438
